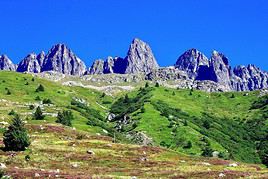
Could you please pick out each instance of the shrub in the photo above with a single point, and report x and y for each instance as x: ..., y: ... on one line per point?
x: 2, y: 173
x: 16, y: 137
x: 146, y: 85
x: 142, y: 109
x: 27, y: 83
x: 8, y: 92
x: 188, y: 145
x: 207, y: 151
x: 103, y: 95
x: 65, y: 118
x: 47, y: 101
x: 31, y: 107
x: 40, y: 88
x: 27, y: 157
x: 206, y: 124
x: 232, y: 96
x: 32, y: 79
x: 12, y: 112
x: 37, y: 98
x: 38, y: 115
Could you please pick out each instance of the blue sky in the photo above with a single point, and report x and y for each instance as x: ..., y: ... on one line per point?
x: 99, y: 28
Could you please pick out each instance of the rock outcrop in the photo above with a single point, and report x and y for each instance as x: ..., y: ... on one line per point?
x: 62, y: 59
x: 6, y: 64
x: 29, y: 64
x: 139, y: 59
x: 193, y: 63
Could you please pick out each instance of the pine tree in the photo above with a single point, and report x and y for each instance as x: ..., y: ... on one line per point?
x: 65, y: 118
x: 157, y: 84
x: 16, y: 137
x: 40, y: 88
x: 146, y: 85
x: 38, y: 115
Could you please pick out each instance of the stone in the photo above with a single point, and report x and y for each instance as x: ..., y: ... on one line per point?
x: 6, y: 63
x: 91, y: 152
x: 61, y: 59
x: 29, y: 64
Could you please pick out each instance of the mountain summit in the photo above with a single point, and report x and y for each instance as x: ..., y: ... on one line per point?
x: 191, y: 70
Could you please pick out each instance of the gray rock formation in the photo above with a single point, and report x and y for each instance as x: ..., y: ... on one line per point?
x: 63, y: 60
x: 249, y: 78
x: 6, y: 64
x: 193, y: 63
x: 140, y: 58
x: 97, y: 67
x: 29, y: 64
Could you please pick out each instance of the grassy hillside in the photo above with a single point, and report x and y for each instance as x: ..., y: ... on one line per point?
x: 198, y: 123
x: 184, y: 127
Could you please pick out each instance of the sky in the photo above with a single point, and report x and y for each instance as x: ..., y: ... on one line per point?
x: 95, y: 29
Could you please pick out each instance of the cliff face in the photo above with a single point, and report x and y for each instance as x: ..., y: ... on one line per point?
x: 139, y: 59
x: 29, y: 64
x: 6, y: 64
x: 192, y: 67
x: 61, y: 59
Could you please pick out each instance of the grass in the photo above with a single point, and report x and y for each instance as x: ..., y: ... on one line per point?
x: 171, y: 118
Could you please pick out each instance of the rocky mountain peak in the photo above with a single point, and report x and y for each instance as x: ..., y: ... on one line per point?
x: 61, y: 59
x: 140, y: 58
x: 192, y: 61
x: 29, y: 64
x: 6, y: 63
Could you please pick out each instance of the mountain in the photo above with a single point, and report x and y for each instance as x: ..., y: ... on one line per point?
x: 61, y: 59
x: 192, y: 69
x: 29, y: 64
x: 6, y: 64
x: 192, y: 62
x: 139, y: 59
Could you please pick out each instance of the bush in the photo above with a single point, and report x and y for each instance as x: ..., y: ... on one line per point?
x: 65, y: 118
x: 232, y: 96
x: 12, y: 112
x: 27, y: 157
x: 38, y: 115
x: 16, y: 137
x: 40, y: 88
x: 27, y: 83
x: 142, y: 109
x: 206, y: 124
x: 47, y: 101
x: 37, y: 98
x: 8, y: 92
x: 188, y: 145
x: 207, y: 151
x: 2, y: 173
x: 31, y: 107
x: 146, y: 85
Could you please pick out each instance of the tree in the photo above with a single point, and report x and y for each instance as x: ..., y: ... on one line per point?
x: 206, y: 124
x: 16, y: 137
x: 207, y: 151
x: 40, y: 88
x: 142, y: 109
x: 146, y: 85
x: 157, y: 84
x: 188, y: 145
x: 8, y: 92
x: 38, y: 115
x: 65, y: 118
x: 126, y: 99
x: 173, y: 93
x: 12, y: 112
x: 232, y: 96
